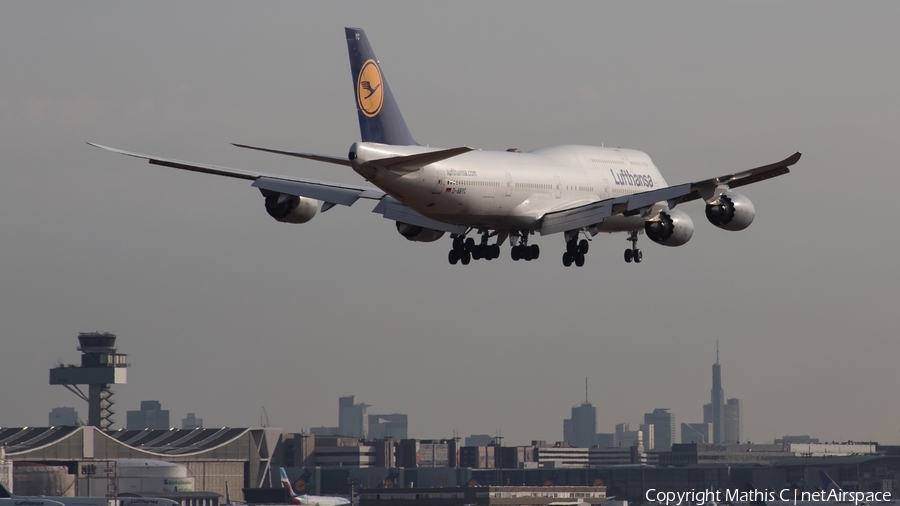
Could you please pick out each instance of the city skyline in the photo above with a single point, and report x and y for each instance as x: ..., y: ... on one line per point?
x: 222, y: 310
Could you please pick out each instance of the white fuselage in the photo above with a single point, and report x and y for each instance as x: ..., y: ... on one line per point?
x: 511, y: 191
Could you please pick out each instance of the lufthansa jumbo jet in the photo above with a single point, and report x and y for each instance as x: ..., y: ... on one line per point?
x: 494, y: 196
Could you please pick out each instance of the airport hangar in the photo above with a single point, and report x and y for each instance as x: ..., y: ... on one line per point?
x: 241, y: 456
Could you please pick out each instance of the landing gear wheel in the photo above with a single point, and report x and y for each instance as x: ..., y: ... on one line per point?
x: 516, y: 253
x: 567, y: 259
x: 453, y: 257
x: 495, y: 251
x: 583, y: 246
x: 535, y: 251
x: 476, y: 252
x: 629, y: 254
x: 579, y: 260
x: 526, y: 254
x: 572, y: 247
x: 465, y: 257
x: 470, y: 244
x: 638, y: 256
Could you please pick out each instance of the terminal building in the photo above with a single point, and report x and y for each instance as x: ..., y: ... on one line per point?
x: 240, y: 456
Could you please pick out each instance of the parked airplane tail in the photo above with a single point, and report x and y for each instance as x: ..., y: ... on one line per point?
x: 296, y: 495
x: 827, y: 481
x: 379, y: 116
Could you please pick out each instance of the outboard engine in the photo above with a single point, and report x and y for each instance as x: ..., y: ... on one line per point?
x: 731, y: 211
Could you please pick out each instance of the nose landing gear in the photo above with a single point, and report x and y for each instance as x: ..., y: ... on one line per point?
x: 634, y: 253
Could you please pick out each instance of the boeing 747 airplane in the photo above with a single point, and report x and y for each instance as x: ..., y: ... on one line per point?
x: 496, y: 196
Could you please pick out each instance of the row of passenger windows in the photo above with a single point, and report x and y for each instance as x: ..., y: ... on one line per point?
x: 535, y: 186
x: 644, y: 164
x: 581, y: 188
x: 604, y: 160
x: 451, y: 182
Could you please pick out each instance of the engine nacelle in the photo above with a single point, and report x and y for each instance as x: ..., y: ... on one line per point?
x: 670, y: 228
x: 417, y: 233
x: 290, y: 208
x: 732, y: 211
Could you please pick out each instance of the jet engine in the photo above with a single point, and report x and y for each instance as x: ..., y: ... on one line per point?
x: 290, y: 208
x: 732, y: 211
x: 417, y: 233
x: 670, y: 228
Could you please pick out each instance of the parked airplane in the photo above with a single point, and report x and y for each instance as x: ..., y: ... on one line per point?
x: 30, y: 501
x: 313, y: 500
x: 21, y: 500
x: 578, y: 191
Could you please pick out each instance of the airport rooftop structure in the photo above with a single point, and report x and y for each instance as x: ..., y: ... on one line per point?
x: 239, y: 455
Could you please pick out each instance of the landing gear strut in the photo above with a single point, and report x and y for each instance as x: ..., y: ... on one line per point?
x: 575, y: 250
x: 522, y: 251
x: 634, y: 253
x: 465, y: 250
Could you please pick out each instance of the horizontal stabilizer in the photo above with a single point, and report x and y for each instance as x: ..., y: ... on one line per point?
x: 310, y: 156
x: 410, y: 163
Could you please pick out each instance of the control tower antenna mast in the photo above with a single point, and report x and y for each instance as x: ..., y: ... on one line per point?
x: 101, y: 366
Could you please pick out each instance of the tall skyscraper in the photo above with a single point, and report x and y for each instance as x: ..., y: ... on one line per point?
x: 718, y: 401
x: 581, y: 429
x: 733, y: 421
x: 663, y: 429
x: 352, y: 419
x: 696, y: 432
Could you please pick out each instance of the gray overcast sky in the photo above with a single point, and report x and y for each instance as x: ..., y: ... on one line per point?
x: 223, y: 310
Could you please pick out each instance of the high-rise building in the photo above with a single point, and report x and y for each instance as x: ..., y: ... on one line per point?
x: 707, y: 413
x: 649, y: 433
x: 733, y: 421
x: 717, y: 400
x: 626, y: 438
x: 383, y: 426
x: 581, y: 430
x: 150, y: 416
x: 664, y: 429
x: 699, y: 433
x: 64, y: 416
x: 191, y: 422
x: 479, y: 440
x: 352, y: 419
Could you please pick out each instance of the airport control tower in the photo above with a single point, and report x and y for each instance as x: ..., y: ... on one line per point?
x: 100, y: 367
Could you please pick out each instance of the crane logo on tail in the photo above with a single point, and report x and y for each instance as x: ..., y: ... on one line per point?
x: 369, y: 90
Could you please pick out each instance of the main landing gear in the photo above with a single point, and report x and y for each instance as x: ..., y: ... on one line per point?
x: 575, y: 251
x: 465, y: 250
x: 634, y: 253
x: 523, y: 251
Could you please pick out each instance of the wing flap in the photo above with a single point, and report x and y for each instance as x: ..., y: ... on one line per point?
x: 394, y: 210
x: 330, y: 194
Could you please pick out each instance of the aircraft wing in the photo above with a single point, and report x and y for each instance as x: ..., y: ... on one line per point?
x: 595, y: 212
x: 327, y: 192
